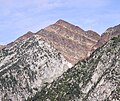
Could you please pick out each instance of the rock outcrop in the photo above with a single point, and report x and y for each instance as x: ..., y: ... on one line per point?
x: 28, y: 65
x: 72, y: 41
x: 95, y: 79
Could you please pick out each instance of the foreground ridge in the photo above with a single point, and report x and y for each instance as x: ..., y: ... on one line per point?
x: 94, y: 79
x: 27, y: 66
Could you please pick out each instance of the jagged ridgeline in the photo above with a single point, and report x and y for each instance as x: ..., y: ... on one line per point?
x: 28, y: 65
x: 94, y: 79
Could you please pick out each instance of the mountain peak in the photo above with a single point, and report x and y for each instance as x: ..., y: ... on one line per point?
x: 69, y: 26
x: 60, y: 21
x: 72, y: 41
x: 63, y: 23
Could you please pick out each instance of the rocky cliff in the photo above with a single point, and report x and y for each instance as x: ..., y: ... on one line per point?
x: 28, y: 65
x: 72, y: 41
x: 95, y: 79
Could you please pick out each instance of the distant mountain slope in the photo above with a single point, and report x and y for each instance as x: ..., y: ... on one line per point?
x: 73, y: 42
x: 94, y: 79
x: 28, y: 65
x: 107, y: 35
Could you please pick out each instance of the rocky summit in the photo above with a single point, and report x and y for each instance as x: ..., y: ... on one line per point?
x: 95, y: 79
x: 27, y: 66
x: 72, y: 41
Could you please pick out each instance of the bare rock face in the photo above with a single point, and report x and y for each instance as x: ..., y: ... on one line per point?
x: 93, y: 35
x: 107, y: 35
x: 73, y: 42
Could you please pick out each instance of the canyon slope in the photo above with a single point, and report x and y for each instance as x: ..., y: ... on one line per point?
x: 95, y: 79
x: 28, y: 65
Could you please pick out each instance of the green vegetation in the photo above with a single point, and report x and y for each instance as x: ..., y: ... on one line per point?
x: 69, y: 86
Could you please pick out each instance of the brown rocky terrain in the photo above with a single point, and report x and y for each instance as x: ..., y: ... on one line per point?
x: 33, y: 65
x: 107, y: 35
x: 72, y: 41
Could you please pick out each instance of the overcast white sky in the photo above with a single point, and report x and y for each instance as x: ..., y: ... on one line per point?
x: 20, y: 16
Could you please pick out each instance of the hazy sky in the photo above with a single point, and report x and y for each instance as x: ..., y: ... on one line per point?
x: 19, y: 16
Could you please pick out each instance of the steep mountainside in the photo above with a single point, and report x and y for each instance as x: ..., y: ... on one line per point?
x: 107, y: 35
x: 28, y: 65
x: 94, y: 79
x: 73, y: 42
